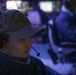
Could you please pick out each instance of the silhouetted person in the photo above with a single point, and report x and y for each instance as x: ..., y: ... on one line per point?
x: 66, y: 21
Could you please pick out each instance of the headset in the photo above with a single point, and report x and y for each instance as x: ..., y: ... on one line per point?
x: 38, y: 54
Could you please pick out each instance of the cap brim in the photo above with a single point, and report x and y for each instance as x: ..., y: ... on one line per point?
x: 26, y: 31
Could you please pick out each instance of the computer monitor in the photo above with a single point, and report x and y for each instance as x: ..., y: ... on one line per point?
x: 49, y: 6
x: 46, y: 6
x: 18, y: 4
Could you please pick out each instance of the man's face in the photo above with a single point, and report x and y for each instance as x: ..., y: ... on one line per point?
x: 73, y: 4
x: 18, y: 47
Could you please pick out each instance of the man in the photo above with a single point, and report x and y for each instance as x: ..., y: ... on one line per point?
x: 15, y: 43
x: 66, y: 21
x: 2, y: 4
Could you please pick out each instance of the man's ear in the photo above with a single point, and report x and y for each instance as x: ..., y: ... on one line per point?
x: 1, y: 42
x: 4, y: 38
x: 3, y: 49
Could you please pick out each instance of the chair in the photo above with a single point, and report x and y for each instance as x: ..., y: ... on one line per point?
x: 64, y: 50
x: 34, y: 17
